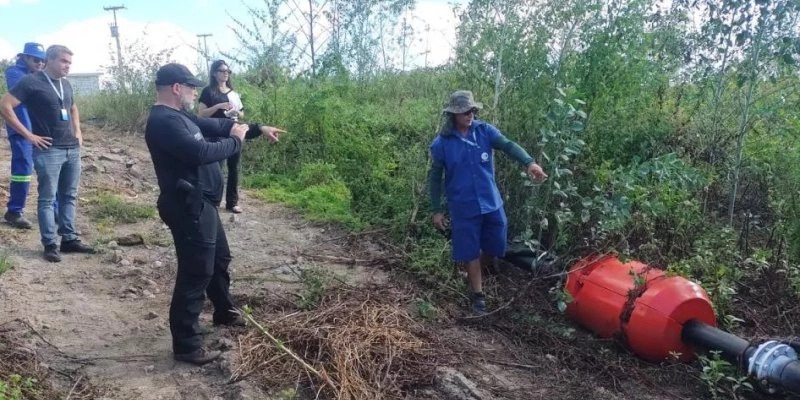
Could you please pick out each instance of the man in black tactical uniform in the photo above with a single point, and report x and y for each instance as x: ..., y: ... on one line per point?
x: 190, y: 183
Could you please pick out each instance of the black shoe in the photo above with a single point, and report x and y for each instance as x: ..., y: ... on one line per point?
x: 235, y: 321
x: 75, y: 246
x: 198, y: 357
x: 478, y: 303
x: 17, y: 220
x: 51, y: 253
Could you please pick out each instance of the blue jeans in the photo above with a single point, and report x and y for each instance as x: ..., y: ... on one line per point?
x: 58, y: 172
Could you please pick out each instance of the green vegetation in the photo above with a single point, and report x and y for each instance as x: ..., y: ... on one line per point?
x: 3, y: 65
x: 16, y: 387
x: 426, y: 309
x: 669, y: 132
x: 722, y: 379
x: 316, y: 190
x: 112, y: 209
x: 125, y: 101
x: 5, y: 263
x: 315, y: 282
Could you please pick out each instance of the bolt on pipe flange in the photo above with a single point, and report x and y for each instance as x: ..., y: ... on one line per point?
x: 768, y: 361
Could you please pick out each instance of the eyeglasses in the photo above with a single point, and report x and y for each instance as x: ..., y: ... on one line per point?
x: 470, y: 112
x: 36, y: 60
x: 224, y: 71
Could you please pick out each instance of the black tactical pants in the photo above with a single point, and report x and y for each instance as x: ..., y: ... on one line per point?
x: 203, y: 258
x: 232, y: 184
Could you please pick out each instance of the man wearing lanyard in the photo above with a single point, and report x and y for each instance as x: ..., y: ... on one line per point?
x: 29, y: 61
x: 56, y: 138
x: 463, y: 151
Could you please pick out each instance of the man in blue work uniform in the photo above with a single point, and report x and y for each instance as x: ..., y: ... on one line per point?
x: 30, y: 60
x: 464, y: 151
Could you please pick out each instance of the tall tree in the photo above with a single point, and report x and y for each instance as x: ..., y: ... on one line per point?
x: 269, y: 48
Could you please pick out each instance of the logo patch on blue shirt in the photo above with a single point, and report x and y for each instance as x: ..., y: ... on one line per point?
x: 198, y: 136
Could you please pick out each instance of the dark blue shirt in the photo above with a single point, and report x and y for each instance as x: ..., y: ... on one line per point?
x: 14, y: 74
x: 468, y: 162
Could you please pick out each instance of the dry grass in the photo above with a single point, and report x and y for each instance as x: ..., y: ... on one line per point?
x: 29, y: 378
x: 360, y: 344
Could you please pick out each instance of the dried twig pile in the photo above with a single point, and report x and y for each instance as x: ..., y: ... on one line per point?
x: 356, y: 345
x: 22, y: 369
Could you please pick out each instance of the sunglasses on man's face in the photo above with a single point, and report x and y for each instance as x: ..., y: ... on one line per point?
x: 470, y: 112
x: 36, y: 60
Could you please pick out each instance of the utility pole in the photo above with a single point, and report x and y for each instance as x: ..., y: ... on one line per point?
x: 115, y: 32
x: 205, y: 48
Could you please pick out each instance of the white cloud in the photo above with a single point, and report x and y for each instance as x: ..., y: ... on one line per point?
x: 7, y: 51
x: 93, y: 45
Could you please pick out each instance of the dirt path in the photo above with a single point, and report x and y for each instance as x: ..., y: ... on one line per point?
x: 104, y: 316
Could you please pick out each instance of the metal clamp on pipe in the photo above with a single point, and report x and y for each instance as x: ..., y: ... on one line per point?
x: 773, y: 364
x: 769, y: 363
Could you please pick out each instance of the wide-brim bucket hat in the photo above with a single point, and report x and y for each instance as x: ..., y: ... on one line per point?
x: 462, y: 101
x: 33, y: 49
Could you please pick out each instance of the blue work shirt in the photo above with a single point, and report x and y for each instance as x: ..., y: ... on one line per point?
x: 468, y: 162
x: 14, y: 74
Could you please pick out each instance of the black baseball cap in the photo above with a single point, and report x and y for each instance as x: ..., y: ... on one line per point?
x: 176, y: 73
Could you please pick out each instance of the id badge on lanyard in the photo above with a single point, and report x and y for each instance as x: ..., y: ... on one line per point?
x: 60, y: 94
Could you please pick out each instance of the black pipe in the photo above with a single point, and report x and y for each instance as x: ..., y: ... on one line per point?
x: 790, y: 377
x: 523, y: 262
x: 704, y: 337
x: 538, y: 262
x: 738, y: 351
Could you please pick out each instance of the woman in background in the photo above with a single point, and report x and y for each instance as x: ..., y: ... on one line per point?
x: 218, y: 100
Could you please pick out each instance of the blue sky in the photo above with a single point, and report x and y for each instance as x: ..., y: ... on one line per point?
x: 83, y: 26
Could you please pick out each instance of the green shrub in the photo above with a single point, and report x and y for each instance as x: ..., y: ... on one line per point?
x: 722, y: 379
x: 372, y: 139
x: 317, y: 173
x: 315, y: 282
x: 650, y: 209
x: 16, y: 387
x: 714, y: 261
x: 123, y: 111
x: 426, y: 308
